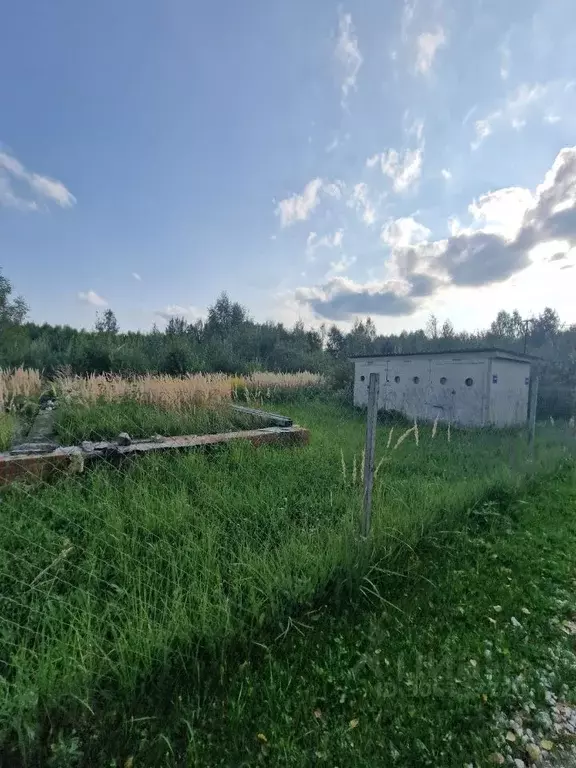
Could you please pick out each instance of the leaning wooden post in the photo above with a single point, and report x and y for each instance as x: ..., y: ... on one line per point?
x: 532, y: 414
x: 373, y: 393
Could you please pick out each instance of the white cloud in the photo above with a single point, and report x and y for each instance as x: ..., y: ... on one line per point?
x: 25, y: 190
x: 348, y: 55
x: 313, y: 242
x: 334, y: 189
x: 428, y: 44
x: 403, y: 232
x: 91, y: 297
x: 299, y: 207
x: 342, y: 264
x: 483, y: 130
x: 502, y: 212
x: 334, y: 144
x: 408, y: 13
x: 8, y: 199
x: 176, y: 310
x: 446, y: 174
x: 527, y: 100
x: 360, y: 201
x: 403, y: 168
x: 52, y: 189
x: 136, y: 276
x: 516, y: 237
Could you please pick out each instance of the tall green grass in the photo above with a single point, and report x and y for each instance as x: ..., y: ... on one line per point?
x: 116, y: 576
x: 7, y: 425
x: 104, y: 420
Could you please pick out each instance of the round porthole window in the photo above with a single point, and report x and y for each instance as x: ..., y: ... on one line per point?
x: 416, y: 379
x: 397, y: 379
x: 362, y: 378
x: 443, y: 380
x: 469, y: 382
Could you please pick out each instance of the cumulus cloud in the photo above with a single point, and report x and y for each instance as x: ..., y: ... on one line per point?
x: 339, y: 298
x: 502, y: 212
x: 176, y: 310
x: 446, y: 174
x: 403, y: 232
x: 403, y: 168
x: 347, y: 55
x: 136, y: 276
x: 91, y: 297
x: 523, y: 103
x: 427, y: 46
x: 26, y: 190
x: 511, y: 229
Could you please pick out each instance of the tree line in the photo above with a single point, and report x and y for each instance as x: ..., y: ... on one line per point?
x: 230, y: 341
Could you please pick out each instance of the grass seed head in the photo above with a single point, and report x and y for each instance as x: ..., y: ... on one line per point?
x: 403, y: 437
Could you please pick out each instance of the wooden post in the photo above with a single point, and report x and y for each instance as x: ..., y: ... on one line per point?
x: 532, y: 414
x: 373, y: 393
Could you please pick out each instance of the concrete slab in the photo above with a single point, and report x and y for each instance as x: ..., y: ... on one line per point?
x: 40, y: 466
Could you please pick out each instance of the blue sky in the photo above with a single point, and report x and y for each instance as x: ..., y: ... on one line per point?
x: 316, y: 160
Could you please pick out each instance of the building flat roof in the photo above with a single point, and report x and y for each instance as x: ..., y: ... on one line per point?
x: 505, y: 354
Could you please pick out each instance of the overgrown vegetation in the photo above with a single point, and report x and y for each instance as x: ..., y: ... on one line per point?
x: 104, y: 421
x: 111, y: 580
x: 229, y: 341
x: 427, y: 668
x: 98, y: 407
x: 178, y: 392
x: 174, y: 610
x: 7, y: 425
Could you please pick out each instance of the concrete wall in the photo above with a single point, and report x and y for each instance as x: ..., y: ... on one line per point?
x: 426, y: 387
x: 509, y: 392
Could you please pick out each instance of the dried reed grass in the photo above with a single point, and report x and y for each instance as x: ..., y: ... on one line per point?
x: 171, y: 392
x: 267, y: 379
x: 19, y: 382
x: 165, y: 391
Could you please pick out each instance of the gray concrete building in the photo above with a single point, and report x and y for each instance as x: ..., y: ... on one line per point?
x: 476, y: 387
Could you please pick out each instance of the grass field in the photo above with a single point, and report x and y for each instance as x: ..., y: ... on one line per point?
x: 117, y: 583
x: 472, y: 634
x: 6, y: 430
x: 76, y: 422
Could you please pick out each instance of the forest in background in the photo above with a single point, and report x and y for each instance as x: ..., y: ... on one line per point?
x: 228, y: 340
